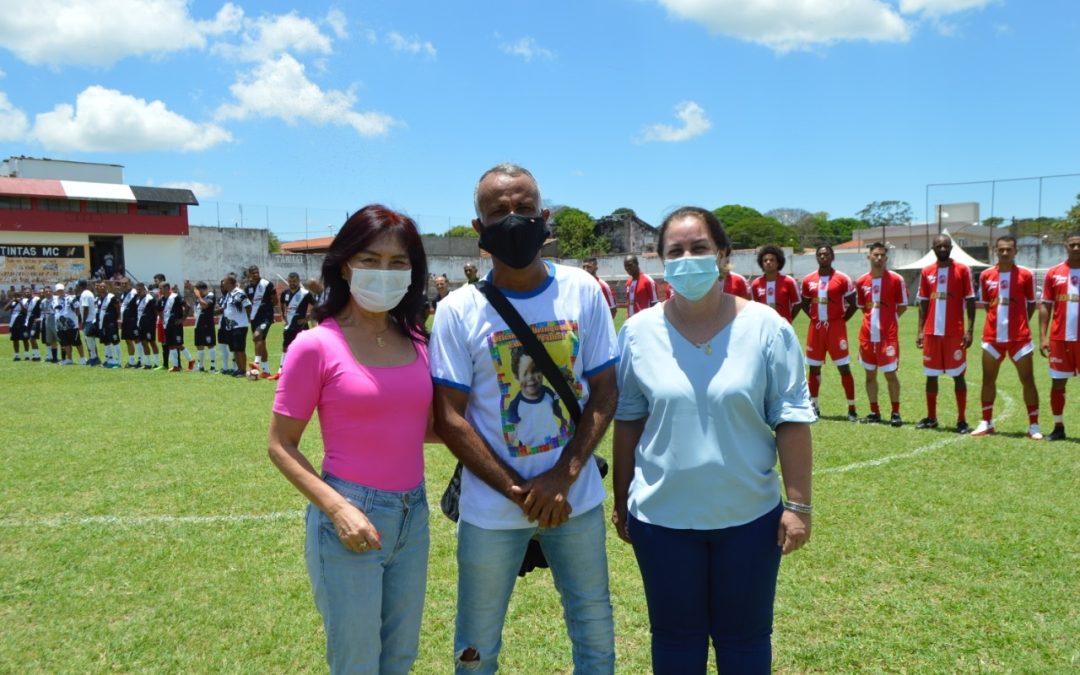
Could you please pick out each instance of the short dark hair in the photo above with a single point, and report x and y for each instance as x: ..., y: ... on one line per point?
x: 294, y: 275
x: 774, y: 250
x: 827, y: 247
x: 359, y: 230
x: 201, y: 285
x: 590, y: 259
x: 253, y: 268
x: 1006, y: 237
x: 712, y: 223
x: 877, y: 244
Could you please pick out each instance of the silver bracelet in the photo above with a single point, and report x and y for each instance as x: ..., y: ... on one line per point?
x: 799, y: 508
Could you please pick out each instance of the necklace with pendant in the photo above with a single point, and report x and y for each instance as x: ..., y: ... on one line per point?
x: 705, y: 347
x: 379, y: 342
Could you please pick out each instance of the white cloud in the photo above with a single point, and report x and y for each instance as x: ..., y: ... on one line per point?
x: 335, y: 18
x: 201, y: 190
x: 694, y: 123
x: 281, y: 89
x: 267, y: 37
x: 412, y: 45
x: 100, y: 32
x: 106, y: 120
x: 13, y: 122
x: 937, y: 8
x: 527, y: 49
x: 786, y: 25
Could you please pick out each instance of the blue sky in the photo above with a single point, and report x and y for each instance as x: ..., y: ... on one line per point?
x: 302, y: 112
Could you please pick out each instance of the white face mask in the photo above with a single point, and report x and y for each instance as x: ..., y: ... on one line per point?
x: 379, y: 290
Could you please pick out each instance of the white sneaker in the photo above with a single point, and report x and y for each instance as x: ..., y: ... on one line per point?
x: 1034, y: 433
x: 984, y: 429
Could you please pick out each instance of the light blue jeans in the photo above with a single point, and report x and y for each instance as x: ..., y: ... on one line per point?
x: 372, y: 602
x: 488, y: 563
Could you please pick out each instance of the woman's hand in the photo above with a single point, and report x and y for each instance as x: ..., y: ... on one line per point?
x: 794, y: 531
x: 620, y: 520
x: 355, y: 530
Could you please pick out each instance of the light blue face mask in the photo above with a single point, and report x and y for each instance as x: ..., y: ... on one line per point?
x: 692, y: 276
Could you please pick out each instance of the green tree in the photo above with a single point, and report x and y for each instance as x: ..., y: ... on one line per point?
x: 993, y: 222
x: 1072, y: 216
x: 576, y: 231
x: 733, y: 214
x: 838, y: 230
x: 623, y: 210
x: 755, y: 231
x: 887, y: 213
x: 461, y: 231
x: 273, y: 244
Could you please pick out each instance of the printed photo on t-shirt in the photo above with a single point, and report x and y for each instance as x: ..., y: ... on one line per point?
x: 534, y: 419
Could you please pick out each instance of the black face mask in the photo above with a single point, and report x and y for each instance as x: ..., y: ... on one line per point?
x: 514, y: 240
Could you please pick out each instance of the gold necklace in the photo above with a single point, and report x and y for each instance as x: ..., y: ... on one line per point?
x: 705, y: 347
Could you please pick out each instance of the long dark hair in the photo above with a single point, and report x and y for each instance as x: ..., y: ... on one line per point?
x: 361, y: 228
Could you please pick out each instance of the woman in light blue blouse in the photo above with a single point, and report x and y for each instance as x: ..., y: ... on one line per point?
x: 711, y: 392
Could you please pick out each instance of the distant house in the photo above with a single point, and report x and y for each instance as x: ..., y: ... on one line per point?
x: 627, y: 233
x: 62, y: 220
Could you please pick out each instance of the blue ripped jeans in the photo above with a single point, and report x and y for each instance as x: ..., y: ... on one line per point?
x: 372, y: 602
x: 488, y: 563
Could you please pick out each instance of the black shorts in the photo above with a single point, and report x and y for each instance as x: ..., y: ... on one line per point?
x: 174, y: 335
x: 16, y: 332
x: 261, y: 324
x: 90, y: 330
x: 147, y: 331
x: 32, y: 331
x: 288, y: 335
x: 68, y: 338
x: 129, y: 330
x: 238, y: 339
x: 222, y: 335
x: 109, y: 334
x: 204, y: 336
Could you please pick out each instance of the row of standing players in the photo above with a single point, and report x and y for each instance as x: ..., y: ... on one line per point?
x: 946, y: 297
x: 145, y: 317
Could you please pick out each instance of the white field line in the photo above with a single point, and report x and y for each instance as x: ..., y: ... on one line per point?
x: 134, y: 521
x: 1007, y: 411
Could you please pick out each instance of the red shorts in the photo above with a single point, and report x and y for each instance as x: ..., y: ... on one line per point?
x: 1015, y: 350
x: 827, y: 339
x: 160, y: 331
x: 944, y: 355
x: 883, y: 356
x: 1064, y: 359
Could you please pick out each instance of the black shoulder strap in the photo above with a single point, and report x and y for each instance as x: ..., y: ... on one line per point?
x: 532, y: 346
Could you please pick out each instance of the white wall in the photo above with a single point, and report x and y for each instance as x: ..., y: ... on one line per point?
x: 147, y: 255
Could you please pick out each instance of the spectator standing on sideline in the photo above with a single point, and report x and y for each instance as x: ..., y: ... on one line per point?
x: 510, y: 493
x: 946, y: 293
x: 711, y: 394
x: 1060, y: 341
x: 774, y: 289
x: 640, y: 287
x: 1008, y: 290
x: 365, y: 369
x: 470, y: 273
x: 263, y: 297
x: 882, y: 294
x: 442, y: 289
x: 828, y: 298
x: 590, y: 265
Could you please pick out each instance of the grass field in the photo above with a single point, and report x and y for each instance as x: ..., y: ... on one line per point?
x: 142, y: 528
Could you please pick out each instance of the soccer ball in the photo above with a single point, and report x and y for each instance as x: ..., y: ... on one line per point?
x: 253, y: 374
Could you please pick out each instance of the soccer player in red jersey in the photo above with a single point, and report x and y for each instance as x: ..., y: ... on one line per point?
x: 1060, y: 341
x: 640, y: 288
x: 735, y: 283
x: 945, y: 294
x: 590, y: 265
x: 828, y: 298
x: 774, y: 289
x: 882, y: 294
x: 1009, y: 293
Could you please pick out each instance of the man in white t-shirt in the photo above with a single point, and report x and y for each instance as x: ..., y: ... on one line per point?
x: 87, y: 319
x: 525, y: 478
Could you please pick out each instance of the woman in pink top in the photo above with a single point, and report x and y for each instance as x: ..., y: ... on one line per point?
x: 365, y: 369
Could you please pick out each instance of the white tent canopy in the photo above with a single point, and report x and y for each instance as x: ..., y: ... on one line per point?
x: 958, y: 254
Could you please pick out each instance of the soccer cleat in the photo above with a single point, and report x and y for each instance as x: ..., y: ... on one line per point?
x: 174, y: 369
x: 275, y: 376
x: 36, y: 358
x: 983, y: 428
x: 962, y: 427
x: 872, y: 418
x: 191, y: 365
x: 927, y: 423
x: 1034, y: 433
x: 148, y: 367
x: 1058, y: 434
x: 852, y: 416
x: 264, y: 375
x: 896, y: 420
